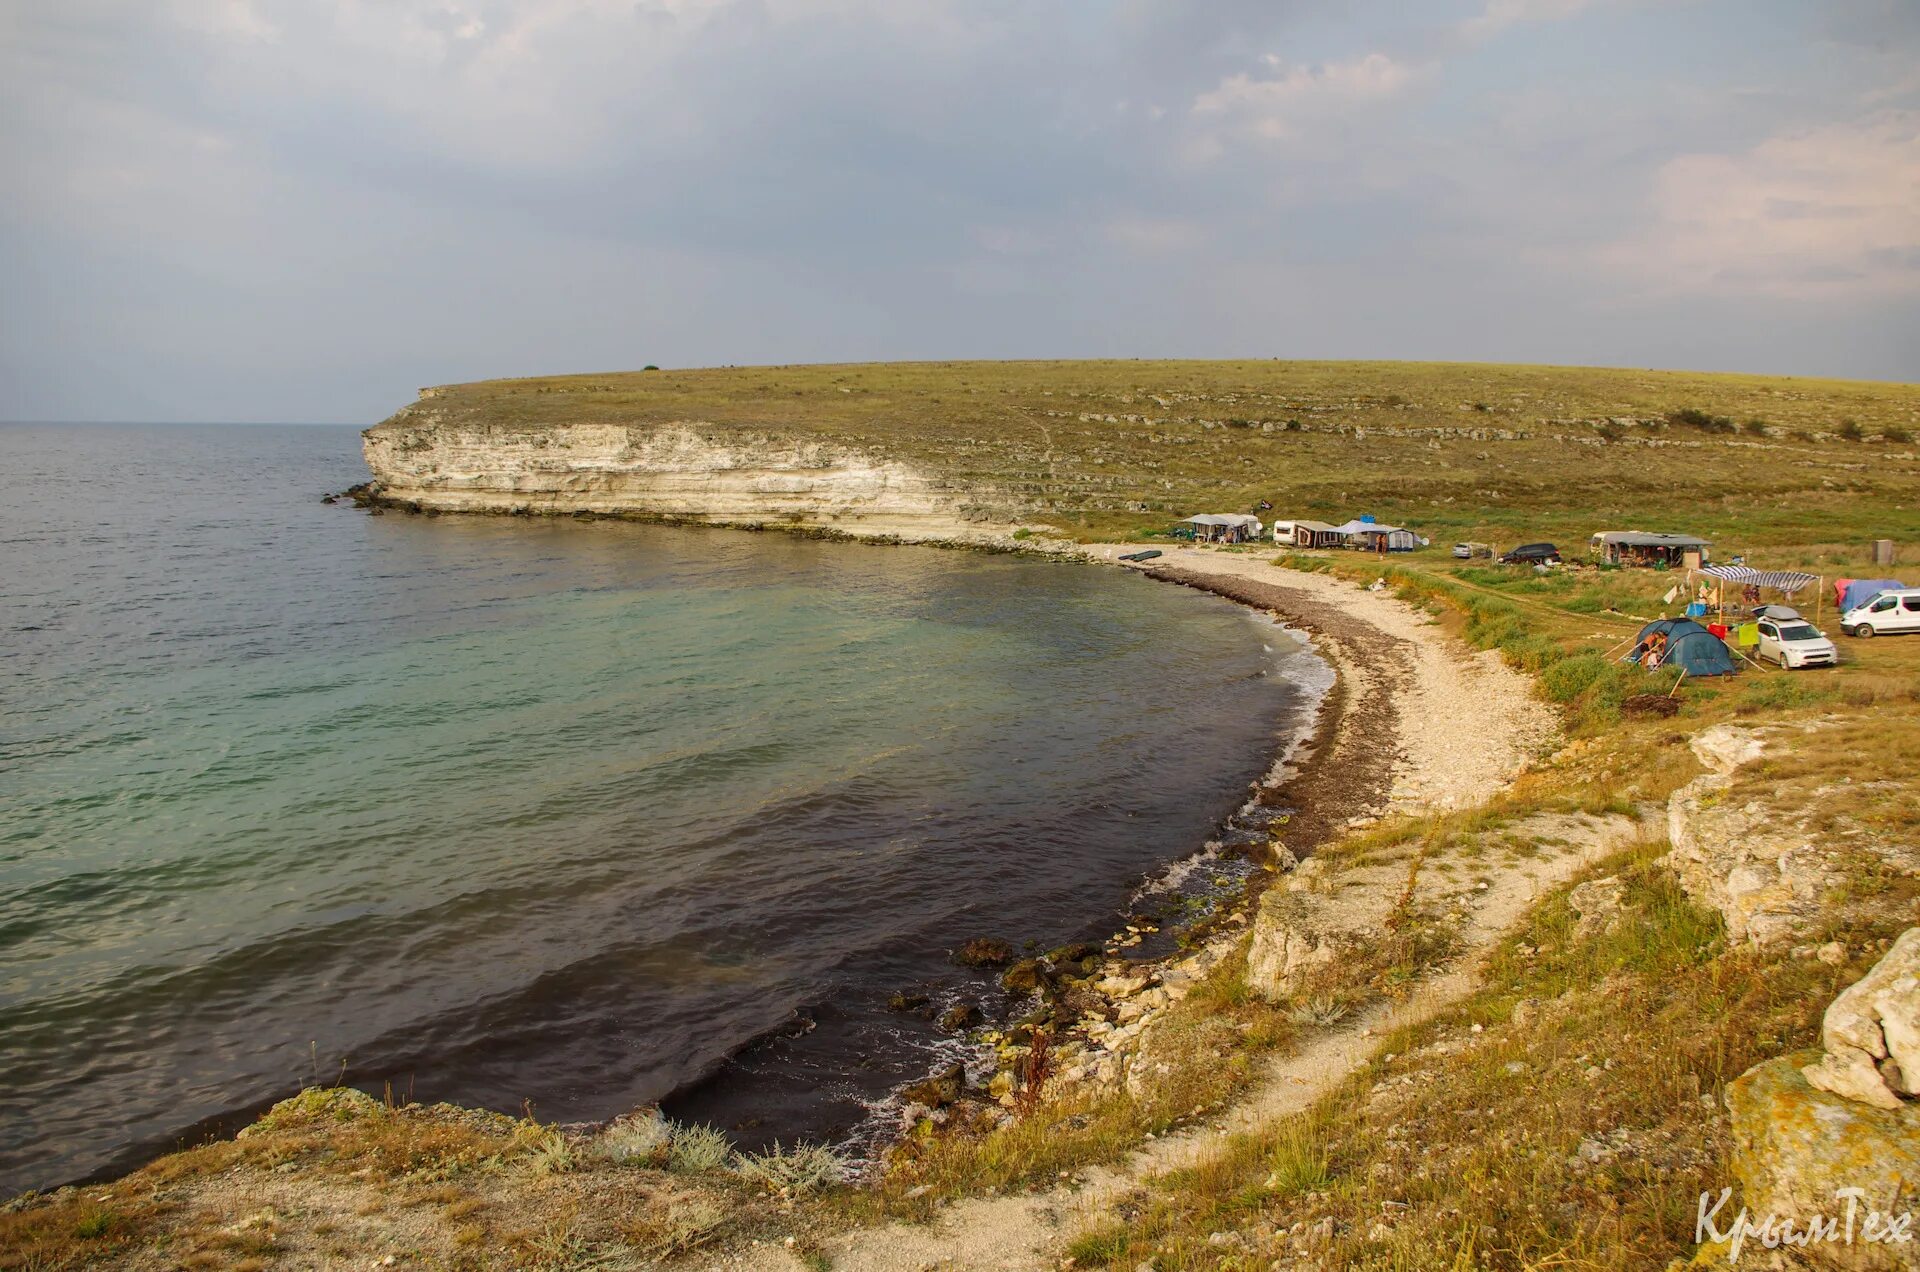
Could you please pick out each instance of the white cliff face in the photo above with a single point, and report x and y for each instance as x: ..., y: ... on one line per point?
x: 680, y: 471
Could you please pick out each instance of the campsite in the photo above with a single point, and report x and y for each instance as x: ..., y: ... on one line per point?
x: 1716, y: 620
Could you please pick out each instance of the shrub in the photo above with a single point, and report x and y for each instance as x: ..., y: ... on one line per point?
x: 1755, y: 427
x: 1298, y: 1160
x: 697, y: 1148
x: 1851, y: 430
x: 639, y: 1139
x: 1692, y: 417
x: 1900, y: 435
x: 1570, y: 677
x: 551, y: 1154
x: 802, y: 1169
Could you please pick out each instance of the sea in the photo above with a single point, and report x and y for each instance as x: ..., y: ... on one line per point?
x: 551, y: 816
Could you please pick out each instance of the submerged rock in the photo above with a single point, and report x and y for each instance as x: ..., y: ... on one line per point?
x: 1024, y: 977
x: 984, y: 951
x: 960, y: 1017
x: 940, y: 1089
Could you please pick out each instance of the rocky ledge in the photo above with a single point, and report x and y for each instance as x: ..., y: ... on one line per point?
x: 426, y: 458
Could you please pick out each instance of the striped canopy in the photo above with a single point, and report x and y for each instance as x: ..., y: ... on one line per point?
x: 1788, y: 581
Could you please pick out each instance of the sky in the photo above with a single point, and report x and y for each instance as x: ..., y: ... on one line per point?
x: 284, y: 211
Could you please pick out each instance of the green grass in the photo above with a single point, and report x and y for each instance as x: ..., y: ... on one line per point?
x: 1116, y: 449
x: 1575, y: 1129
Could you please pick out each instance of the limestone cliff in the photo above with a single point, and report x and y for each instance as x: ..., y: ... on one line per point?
x: 679, y: 470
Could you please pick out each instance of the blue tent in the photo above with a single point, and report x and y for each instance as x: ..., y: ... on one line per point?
x: 1860, y: 591
x: 1687, y: 644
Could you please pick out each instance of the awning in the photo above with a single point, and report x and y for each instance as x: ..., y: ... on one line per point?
x: 1788, y: 581
x: 1642, y: 539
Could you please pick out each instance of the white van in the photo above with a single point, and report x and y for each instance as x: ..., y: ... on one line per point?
x: 1897, y: 610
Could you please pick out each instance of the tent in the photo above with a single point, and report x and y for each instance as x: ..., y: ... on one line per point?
x: 1853, y: 593
x: 1224, y: 527
x: 1681, y: 642
x: 1372, y: 535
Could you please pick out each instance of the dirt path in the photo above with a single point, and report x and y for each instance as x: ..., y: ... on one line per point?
x: 1029, y: 1233
x: 1423, y: 723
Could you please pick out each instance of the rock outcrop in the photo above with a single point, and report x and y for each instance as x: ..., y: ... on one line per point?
x: 1837, y: 1136
x: 1780, y: 856
x: 1872, y: 1032
x: 1804, y: 1155
x: 1747, y: 860
x: 678, y: 471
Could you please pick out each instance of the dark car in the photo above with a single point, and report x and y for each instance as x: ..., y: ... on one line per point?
x: 1531, y: 553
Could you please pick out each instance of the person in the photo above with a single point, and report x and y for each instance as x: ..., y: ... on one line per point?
x: 1656, y: 650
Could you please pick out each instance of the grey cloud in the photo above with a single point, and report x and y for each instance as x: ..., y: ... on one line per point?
x: 297, y: 211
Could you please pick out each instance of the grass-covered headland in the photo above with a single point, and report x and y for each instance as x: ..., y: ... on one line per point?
x: 1108, y: 449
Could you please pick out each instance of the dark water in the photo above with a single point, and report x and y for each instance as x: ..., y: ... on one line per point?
x: 506, y: 810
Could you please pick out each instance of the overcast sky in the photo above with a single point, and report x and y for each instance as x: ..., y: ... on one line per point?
x: 267, y: 210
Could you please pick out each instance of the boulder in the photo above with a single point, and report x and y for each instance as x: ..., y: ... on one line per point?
x: 960, y: 1017
x: 1799, y: 1152
x: 1872, y: 1032
x: 1597, y: 903
x: 1023, y: 977
x: 939, y: 1089
x: 984, y: 951
x: 1288, y: 946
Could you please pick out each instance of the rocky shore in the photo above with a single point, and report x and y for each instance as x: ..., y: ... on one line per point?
x: 1412, y: 723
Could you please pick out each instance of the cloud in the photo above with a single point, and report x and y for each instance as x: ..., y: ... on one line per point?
x: 1499, y: 15
x: 1292, y: 100
x: 1817, y: 212
x: 1153, y: 235
x: 312, y: 208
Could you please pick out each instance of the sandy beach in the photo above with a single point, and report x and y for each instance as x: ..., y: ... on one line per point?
x: 1426, y: 722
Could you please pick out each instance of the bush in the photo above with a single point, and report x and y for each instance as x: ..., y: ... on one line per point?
x: 802, y: 1169
x: 697, y: 1148
x: 1570, y: 677
x: 1851, y: 430
x: 1900, y: 435
x: 639, y: 1139
x: 1755, y: 427
x: 1691, y: 417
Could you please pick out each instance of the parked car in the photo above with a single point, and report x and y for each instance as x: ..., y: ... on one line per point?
x: 1532, y: 554
x: 1885, y: 613
x: 1468, y: 551
x: 1795, y: 643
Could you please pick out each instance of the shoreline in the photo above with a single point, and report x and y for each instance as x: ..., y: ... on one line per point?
x: 1406, y: 700
x: 1346, y: 769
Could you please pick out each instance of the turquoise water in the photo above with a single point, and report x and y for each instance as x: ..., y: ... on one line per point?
x: 587, y: 814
